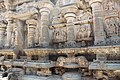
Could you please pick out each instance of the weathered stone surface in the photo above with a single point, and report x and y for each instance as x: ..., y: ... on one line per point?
x: 46, y: 37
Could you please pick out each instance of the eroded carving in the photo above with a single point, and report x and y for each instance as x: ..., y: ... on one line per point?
x: 110, y: 5
x: 59, y: 36
x: 112, y: 26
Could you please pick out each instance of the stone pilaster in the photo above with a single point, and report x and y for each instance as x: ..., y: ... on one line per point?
x: 70, y: 16
x: 44, y: 35
x: 31, y: 24
x: 97, y: 10
x: 9, y: 32
x: 14, y: 35
x: 20, y: 39
x: 2, y: 35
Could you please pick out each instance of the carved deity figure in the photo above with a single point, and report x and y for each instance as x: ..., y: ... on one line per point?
x: 14, y: 36
x: 84, y: 32
x: 59, y: 36
x: 112, y: 26
x: 110, y: 5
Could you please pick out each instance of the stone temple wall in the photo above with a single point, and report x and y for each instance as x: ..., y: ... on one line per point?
x: 55, y: 36
x: 59, y: 23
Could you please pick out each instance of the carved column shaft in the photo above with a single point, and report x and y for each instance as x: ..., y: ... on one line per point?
x: 14, y: 35
x: 2, y: 35
x: 44, y: 40
x: 70, y: 17
x: 99, y: 34
x: 9, y: 32
x: 31, y: 32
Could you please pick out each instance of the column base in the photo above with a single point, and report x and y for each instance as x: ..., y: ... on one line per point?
x: 70, y: 44
x: 7, y: 46
x: 1, y: 47
x: 44, y: 44
x: 31, y: 46
x: 99, y: 43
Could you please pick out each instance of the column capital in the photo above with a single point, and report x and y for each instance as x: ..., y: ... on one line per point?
x: 31, y: 22
x: 8, y: 14
x: 10, y: 21
x: 45, y: 9
x: 2, y: 25
x: 70, y: 15
x: 70, y: 9
x: 95, y: 1
x: 45, y: 4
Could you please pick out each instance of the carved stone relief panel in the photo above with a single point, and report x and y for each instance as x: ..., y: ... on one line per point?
x: 112, y: 27
x: 59, y: 35
x: 111, y: 8
x: 83, y: 32
x: 84, y: 29
x: 111, y: 5
x: 112, y: 21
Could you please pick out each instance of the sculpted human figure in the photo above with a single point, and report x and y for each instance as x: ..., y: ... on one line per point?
x: 112, y: 26
x: 81, y: 33
x: 110, y: 5
x: 84, y: 30
x: 59, y: 36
